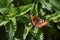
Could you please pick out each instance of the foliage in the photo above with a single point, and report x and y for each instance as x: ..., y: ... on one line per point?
x: 14, y: 17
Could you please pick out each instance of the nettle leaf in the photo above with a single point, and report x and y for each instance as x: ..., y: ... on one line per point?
x: 24, y: 20
x: 3, y: 10
x: 47, y: 16
x: 37, y: 34
x: 11, y: 28
x: 26, y: 31
x: 9, y: 1
x: 55, y: 4
x: 5, y: 3
x: 58, y: 26
x: 41, y: 36
x: 2, y: 20
x: 24, y: 9
x: 14, y: 23
x: 46, y: 5
x: 11, y: 12
x: 55, y: 17
x: 42, y: 12
x: 3, y: 23
x: 6, y: 16
x: 16, y: 39
x: 36, y: 8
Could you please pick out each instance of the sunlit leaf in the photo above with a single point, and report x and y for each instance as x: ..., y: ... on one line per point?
x: 27, y: 29
x: 3, y: 23
x: 41, y: 36
x: 55, y: 4
x: 42, y: 12
x: 46, y: 5
x: 55, y: 16
x: 26, y: 10
x: 16, y: 39
x: 5, y: 3
x: 38, y: 34
x: 58, y: 26
x: 11, y: 28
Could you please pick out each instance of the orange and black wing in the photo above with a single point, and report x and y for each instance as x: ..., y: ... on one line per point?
x: 36, y: 21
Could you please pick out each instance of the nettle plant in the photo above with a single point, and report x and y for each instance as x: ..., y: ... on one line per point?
x: 14, y: 17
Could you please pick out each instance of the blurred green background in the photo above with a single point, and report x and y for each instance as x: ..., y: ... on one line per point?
x: 15, y: 22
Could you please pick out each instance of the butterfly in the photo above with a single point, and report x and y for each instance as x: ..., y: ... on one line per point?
x: 36, y: 21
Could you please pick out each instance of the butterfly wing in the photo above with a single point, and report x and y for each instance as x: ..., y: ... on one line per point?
x: 41, y: 23
x: 36, y: 21
x: 32, y: 19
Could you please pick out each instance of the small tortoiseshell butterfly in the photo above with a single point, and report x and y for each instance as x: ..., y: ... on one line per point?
x: 36, y: 21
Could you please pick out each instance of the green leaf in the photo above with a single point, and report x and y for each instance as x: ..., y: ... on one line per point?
x: 11, y: 28
x: 36, y: 7
x: 17, y: 39
x: 27, y: 29
x: 58, y: 26
x: 5, y: 3
x: 14, y: 23
x: 11, y: 12
x: 46, y: 5
x: 55, y: 16
x: 3, y: 10
x: 42, y: 12
x: 56, y: 4
x: 41, y: 36
x: 3, y: 23
x: 24, y: 9
x: 38, y: 34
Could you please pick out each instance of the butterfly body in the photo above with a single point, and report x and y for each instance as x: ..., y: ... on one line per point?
x: 36, y: 21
